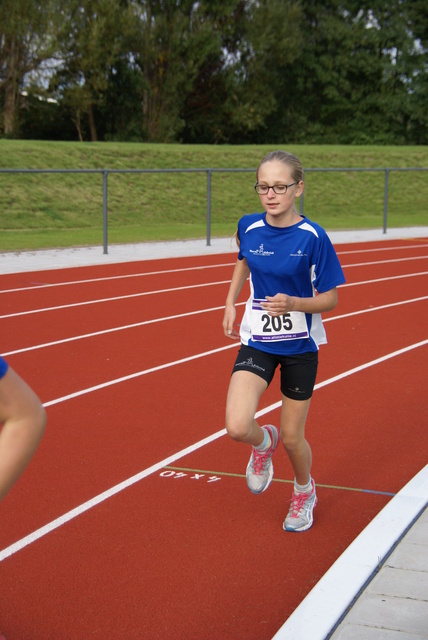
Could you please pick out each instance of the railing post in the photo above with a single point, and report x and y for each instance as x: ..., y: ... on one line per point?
x: 208, y: 207
x: 105, y: 212
x: 385, y: 201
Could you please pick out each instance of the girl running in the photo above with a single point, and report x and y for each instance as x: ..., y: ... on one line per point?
x: 293, y: 271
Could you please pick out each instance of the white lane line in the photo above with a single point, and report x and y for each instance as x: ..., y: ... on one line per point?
x: 184, y: 315
x: 154, y: 292
x: 115, y: 298
x: 380, y: 308
x: 138, y: 374
x: 387, y: 279
x: 362, y: 367
x: 70, y: 515
x: 119, y: 277
x: 183, y: 269
x: 378, y: 249
x: 74, y: 513
x: 113, y: 330
x: 376, y: 262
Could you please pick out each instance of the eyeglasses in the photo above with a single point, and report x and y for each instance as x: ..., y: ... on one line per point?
x: 279, y: 189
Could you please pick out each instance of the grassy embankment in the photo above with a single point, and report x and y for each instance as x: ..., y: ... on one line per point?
x: 57, y: 210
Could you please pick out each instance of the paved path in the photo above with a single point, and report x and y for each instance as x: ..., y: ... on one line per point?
x: 378, y: 588
x: 395, y: 603
x: 11, y: 262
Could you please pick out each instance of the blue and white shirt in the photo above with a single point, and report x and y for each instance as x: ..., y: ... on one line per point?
x: 298, y: 261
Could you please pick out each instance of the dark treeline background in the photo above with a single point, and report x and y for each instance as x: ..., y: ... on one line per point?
x: 215, y: 71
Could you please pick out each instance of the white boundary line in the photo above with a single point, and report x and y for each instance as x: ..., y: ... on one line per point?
x: 125, y: 276
x: 135, y: 325
x: 376, y: 262
x: 143, y: 274
x: 377, y: 249
x: 128, y: 296
x: 70, y: 515
x: 324, y: 606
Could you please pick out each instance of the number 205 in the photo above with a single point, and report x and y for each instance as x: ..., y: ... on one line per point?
x: 276, y: 323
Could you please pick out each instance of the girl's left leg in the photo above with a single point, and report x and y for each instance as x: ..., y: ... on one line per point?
x: 303, y: 501
x: 293, y: 421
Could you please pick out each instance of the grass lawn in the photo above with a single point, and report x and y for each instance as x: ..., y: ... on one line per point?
x: 43, y: 210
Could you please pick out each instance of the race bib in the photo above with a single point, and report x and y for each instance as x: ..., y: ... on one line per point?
x: 287, y: 326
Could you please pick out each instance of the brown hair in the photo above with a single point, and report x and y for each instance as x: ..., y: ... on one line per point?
x: 287, y: 158
x: 291, y: 161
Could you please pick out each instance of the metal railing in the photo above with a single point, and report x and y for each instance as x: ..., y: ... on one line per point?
x: 209, y: 171
x: 386, y: 170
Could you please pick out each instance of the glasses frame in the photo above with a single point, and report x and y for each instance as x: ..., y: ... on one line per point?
x: 273, y: 187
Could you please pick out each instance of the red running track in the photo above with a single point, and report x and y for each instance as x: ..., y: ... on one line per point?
x: 133, y: 519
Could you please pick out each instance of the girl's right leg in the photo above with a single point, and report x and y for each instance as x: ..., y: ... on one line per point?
x: 245, y: 390
x: 243, y: 397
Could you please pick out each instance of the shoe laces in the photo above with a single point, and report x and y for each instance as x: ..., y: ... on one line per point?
x: 298, y: 501
x: 260, y: 458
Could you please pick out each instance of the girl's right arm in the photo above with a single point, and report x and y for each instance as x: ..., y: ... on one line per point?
x: 240, y: 275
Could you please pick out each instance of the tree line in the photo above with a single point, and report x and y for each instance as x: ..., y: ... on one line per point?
x: 215, y: 71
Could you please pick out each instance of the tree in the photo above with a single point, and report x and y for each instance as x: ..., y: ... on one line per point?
x: 358, y: 74
x: 89, y: 43
x: 418, y: 73
x: 176, y: 40
x: 269, y: 48
x: 26, y: 43
x: 205, y: 111
x: 236, y: 71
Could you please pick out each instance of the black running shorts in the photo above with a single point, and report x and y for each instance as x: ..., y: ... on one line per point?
x: 298, y: 372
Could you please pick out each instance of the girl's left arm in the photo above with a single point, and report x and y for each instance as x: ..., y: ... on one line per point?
x: 282, y: 303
